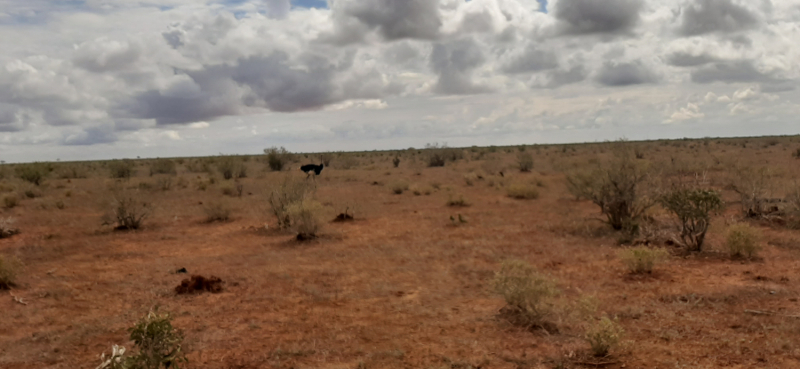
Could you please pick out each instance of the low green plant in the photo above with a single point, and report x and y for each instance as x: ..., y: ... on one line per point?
x: 693, y: 207
x: 522, y: 191
x: 642, y: 259
x: 128, y: 209
x: 528, y: 293
x: 158, y: 342
x: 603, y: 336
x: 742, y: 240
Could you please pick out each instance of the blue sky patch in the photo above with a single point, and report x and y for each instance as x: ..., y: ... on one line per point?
x: 310, y: 4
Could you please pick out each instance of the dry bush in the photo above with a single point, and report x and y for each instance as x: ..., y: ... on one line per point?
x: 277, y: 158
x: 163, y: 166
x: 418, y: 189
x: 398, y: 187
x: 522, y: 191
x: 618, y: 188
x: 396, y: 161
x: 755, y: 188
x: 470, y: 178
x: 199, y: 166
x: 642, y: 259
x: 10, y: 201
x: 603, y: 336
x: 7, y: 228
x: 121, y: 169
x: 457, y: 201
x: 8, y: 272
x: 305, y: 218
x: 742, y: 240
x: 528, y: 294
x: 326, y: 158
x: 33, y: 173
x: 217, y: 211
x: 525, y: 161
x: 71, y: 171
x: 231, y: 168
x: 158, y: 342
x: 437, y: 156
x: 128, y: 209
x: 293, y: 190
x: 492, y: 167
x: 693, y: 207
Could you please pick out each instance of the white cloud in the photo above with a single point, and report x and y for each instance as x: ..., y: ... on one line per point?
x: 111, y: 73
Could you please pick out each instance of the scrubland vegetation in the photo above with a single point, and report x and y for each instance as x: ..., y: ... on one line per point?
x: 677, y: 253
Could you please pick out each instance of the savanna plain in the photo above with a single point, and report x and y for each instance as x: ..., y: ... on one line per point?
x: 658, y: 254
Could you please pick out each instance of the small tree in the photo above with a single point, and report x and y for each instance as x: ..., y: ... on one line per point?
x: 618, y: 188
x: 693, y: 207
x: 277, y: 157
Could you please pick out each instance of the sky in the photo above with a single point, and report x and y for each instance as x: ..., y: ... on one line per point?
x: 102, y: 79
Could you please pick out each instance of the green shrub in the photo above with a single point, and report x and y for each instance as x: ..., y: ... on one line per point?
x: 33, y: 173
x: 277, y: 158
x: 128, y: 210
x: 522, y: 191
x: 617, y: 188
x: 693, y: 207
x: 121, y: 169
x: 10, y: 201
x: 305, y: 218
x: 217, y: 211
x: 603, y: 336
x: 642, y: 259
x: 398, y: 187
x: 525, y: 161
x: 158, y: 342
x: 163, y: 166
x: 742, y: 240
x: 291, y: 191
x: 528, y: 294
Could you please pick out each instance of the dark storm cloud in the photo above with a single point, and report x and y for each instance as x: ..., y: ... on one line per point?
x: 732, y: 72
x: 531, y: 60
x: 593, y: 16
x: 90, y: 136
x: 625, y: 74
x: 454, y: 62
x: 560, y: 78
x: 9, y: 118
x: 393, y: 19
x: 707, y: 16
x: 681, y: 59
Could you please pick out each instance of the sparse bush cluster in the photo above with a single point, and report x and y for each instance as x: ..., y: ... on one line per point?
x: 522, y: 191
x: 528, y: 293
x: 525, y: 161
x: 33, y: 173
x: 121, y: 169
x: 230, y: 168
x: 217, y: 211
x: 163, y: 166
x: 438, y: 156
x: 742, y: 240
x: 277, y: 158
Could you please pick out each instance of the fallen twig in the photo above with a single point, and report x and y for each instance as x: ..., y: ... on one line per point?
x: 18, y: 299
x: 599, y: 363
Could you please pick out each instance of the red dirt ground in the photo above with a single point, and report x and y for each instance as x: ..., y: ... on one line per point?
x: 398, y: 287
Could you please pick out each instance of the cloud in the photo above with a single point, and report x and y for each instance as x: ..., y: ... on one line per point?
x: 740, y: 71
x: 592, y: 16
x: 684, y: 59
x: 199, y: 125
x: 90, y: 136
x: 560, y: 78
x: 391, y: 19
x: 724, y: 16
x: 103, y: 55
x: 531, y: 59
x: 625, y: 74
x: 454, y: 62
